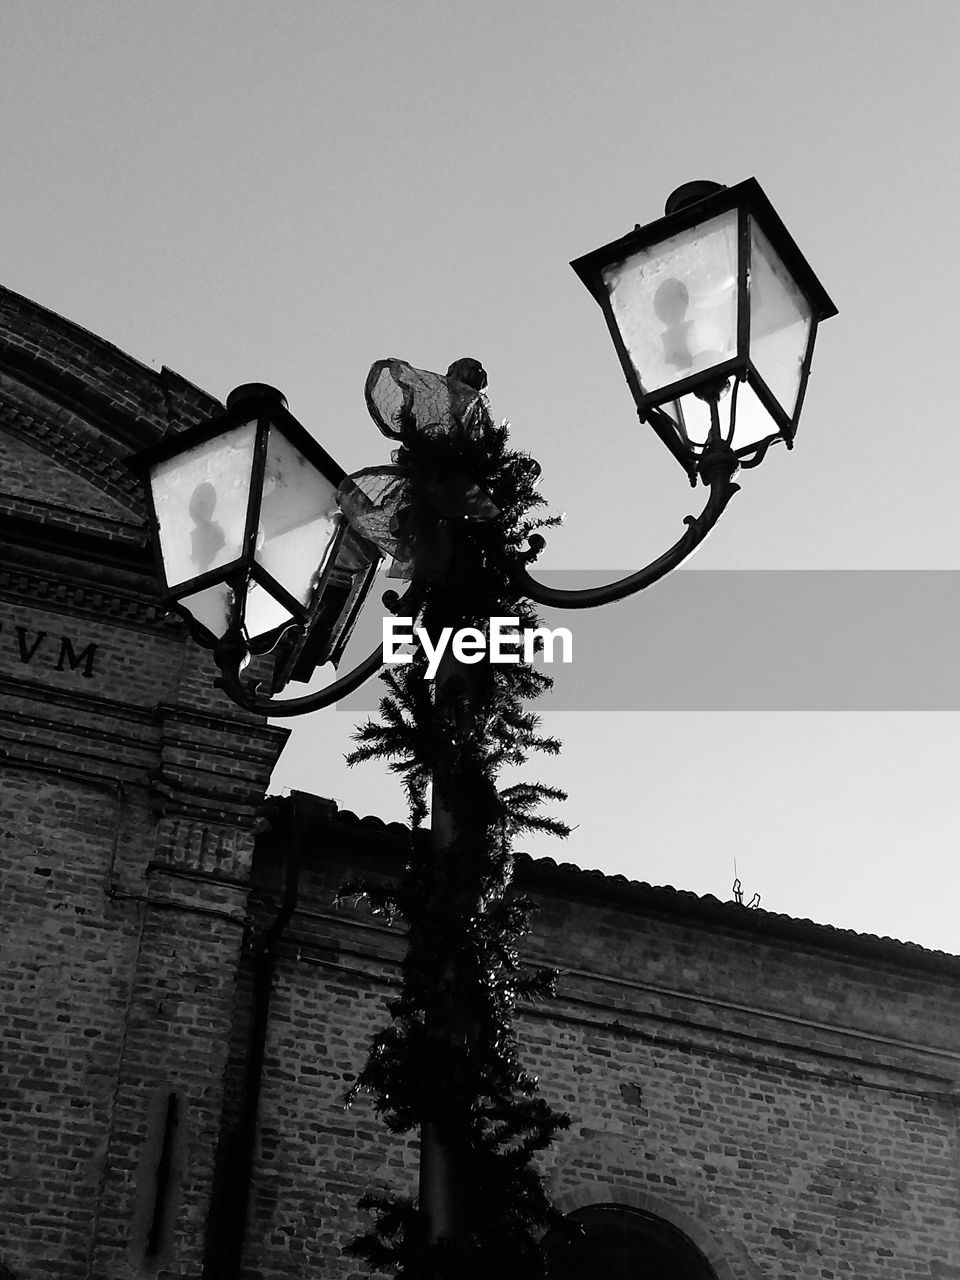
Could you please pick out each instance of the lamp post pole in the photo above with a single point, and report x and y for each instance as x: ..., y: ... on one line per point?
x: 713, y: 313
x: 441, y: 1193
x: 441, y: 1190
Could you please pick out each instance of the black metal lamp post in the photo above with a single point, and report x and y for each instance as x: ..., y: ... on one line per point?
x: 713, y: 312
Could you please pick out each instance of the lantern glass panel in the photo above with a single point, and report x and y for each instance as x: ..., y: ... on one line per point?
x: 299, y: 518
x: 263, y: 612
x: 675, y: 303
x: 753, y: 422
x: 200, y: 498
x: 211, y: 607
x: 780, y: 319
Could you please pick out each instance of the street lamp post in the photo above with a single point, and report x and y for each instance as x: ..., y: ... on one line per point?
x: 265, y: 545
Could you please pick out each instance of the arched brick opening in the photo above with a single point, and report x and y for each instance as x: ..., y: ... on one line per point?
x: 724, y: 1256
x: 617, y: 1241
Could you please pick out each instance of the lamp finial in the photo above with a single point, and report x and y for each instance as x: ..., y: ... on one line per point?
x: 691, y: 193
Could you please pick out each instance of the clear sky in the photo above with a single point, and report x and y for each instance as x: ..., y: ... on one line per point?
x: 285, y: 192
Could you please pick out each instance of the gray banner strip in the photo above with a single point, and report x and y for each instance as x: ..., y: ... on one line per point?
x: 801, y: 640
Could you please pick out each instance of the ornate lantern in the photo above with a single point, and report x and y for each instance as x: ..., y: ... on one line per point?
x: 713, y: 311
x: 249, y: 538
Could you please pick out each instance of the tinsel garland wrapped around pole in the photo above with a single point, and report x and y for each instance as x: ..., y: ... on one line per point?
x: 460, y: 503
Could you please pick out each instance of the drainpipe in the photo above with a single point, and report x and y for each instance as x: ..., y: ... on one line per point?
x: 225, y: 1250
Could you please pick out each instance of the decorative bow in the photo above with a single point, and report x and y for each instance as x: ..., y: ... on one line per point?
x: 411, y: 405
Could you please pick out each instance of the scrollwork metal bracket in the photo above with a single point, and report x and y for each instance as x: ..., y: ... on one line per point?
x: 717, y: 468
x: 231, y: 654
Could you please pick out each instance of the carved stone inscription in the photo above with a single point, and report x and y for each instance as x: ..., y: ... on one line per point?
x: 40, y: 648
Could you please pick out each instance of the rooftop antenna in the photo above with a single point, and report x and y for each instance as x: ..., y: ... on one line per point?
x: 738, y: 891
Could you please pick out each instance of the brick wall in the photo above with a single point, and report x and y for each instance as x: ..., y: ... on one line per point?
x: 784, y: 1093
x: 129, y: 794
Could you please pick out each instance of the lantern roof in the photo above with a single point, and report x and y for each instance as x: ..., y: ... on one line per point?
x: 258, y: 400
x: 748, y: 195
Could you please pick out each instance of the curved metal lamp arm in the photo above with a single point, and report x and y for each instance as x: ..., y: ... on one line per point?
x: 230, y: 655
x: 244, y: 694
x: 717, y: 468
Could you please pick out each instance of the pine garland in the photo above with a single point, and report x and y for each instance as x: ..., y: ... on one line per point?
x: 449, y: 1058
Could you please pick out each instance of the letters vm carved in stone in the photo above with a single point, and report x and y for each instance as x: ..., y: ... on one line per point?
x: 30, y: 645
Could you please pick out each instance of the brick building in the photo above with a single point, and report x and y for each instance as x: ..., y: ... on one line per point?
x: 183, y: 1009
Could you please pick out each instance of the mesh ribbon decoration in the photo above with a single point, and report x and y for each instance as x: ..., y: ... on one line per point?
x: 411, y: 405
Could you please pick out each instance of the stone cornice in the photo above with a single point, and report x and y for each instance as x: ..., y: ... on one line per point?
x: 69, y: 520
x: 136, y: 403
x: 57, y: 534
x: 210, y: 767
x: 76, y: 599
x: 81, y: 451
x: 235, y: 728
x: 85, y: 403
